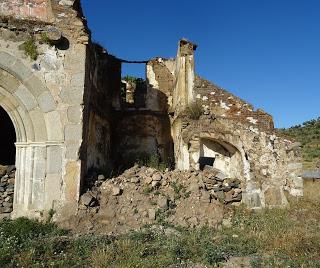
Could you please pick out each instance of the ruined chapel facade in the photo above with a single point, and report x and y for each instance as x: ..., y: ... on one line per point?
x: 64, y: 96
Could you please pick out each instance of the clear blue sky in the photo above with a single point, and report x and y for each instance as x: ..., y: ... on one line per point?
x: 264, y: 51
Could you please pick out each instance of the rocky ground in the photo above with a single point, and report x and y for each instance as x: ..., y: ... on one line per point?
x: 7, y: 178
x: 143, y: 195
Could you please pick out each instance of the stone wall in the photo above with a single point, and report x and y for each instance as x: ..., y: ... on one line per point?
x: 27, y: 9
x: 103, y: 78
x: 44, y: 99
x: 237, y: 139
x: 142, y: 133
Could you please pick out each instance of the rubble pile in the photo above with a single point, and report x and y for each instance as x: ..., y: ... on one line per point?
x: 143, y: 195
x: 7, y: 179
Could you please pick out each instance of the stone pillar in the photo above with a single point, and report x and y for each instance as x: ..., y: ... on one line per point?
x: 38, y: 177
x: 184, y: 75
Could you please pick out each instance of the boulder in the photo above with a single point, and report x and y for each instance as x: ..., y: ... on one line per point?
x: 156, y: 177
x: 163, y: 202
x: 116, y: 190
x: 152, y: 214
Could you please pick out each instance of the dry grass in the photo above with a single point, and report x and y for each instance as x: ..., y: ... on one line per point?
x: 294, y: 233
x: 269, y: 238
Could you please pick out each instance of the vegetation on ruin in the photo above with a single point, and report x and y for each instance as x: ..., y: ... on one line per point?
x: 133, y: 79
x: 269, y: 238
x: 151, y: 160
x: 44, y: 38
x: 308, y: 133
x: 30, y: 48
x: 194, y: 110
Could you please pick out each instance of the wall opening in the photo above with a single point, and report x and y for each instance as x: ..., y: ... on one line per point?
x: 133, y: 88
x: 221, y: 155
x: 7, y: 139
x: 7, y: 161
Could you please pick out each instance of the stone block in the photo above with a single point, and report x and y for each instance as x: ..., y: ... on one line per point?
x: 72, y: 182
x: 72, y: 149
x: 74, y: 114
x: 6, y: 60
x: 53, y: 189
x: 72, y: 95
x: 73, y: 132
x: 54, y: 156
x: 39, y: 125
x: 77, y: 80
x: 54, y: 126
x: 273, y: 197
x: 8, y: 81
x: 21, y: 71
x: 26, y: 98
x: 46, y: 102
x: 252, y: 199
x: 35, y: 86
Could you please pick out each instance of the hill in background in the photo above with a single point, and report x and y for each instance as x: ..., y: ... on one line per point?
x: 308, y: 133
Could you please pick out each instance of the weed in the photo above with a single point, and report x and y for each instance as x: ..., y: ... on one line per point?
x: 194, y: 110
x: 51, y: 213
x: 147, y: 190
x: 179, y: 191
x: 44, y: 38
x: 30, y: 48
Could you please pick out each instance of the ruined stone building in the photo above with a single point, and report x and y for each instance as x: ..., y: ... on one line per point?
x: 64, y: 112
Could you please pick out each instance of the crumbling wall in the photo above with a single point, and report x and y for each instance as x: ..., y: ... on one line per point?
x: 103, y: 78
x: 242, y: 141
x: 221, y: 103
x: 269, y: 165
x: 160, y: 80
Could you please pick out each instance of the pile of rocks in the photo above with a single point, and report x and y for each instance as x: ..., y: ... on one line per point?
x: 143, y: 195
x: 7, y: 179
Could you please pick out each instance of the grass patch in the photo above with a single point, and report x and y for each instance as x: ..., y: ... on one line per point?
x: 270, y: 238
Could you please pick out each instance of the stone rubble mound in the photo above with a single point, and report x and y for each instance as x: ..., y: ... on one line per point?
x: 7, y: 179
x: 143, y: 195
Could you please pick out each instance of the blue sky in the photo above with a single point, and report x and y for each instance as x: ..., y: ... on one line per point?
x: 264, y: 51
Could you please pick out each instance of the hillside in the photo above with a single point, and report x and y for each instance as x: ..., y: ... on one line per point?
x: 308, y: 133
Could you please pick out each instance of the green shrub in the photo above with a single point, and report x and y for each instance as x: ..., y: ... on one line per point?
x: 30, y: 48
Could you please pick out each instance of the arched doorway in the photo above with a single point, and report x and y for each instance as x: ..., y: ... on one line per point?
x: 7, y: 139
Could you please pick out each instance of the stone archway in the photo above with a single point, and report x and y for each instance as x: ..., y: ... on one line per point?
x: 39, y: 144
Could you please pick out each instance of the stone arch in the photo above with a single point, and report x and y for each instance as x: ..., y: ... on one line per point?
x: 221, y: 155
x: 32, y: 110
x: 27, y: 100
x: 229, y: 142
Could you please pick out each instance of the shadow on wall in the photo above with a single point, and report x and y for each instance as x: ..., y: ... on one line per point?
x: 7, y: 139
x: 143, y: 130
x: 220, y: 155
